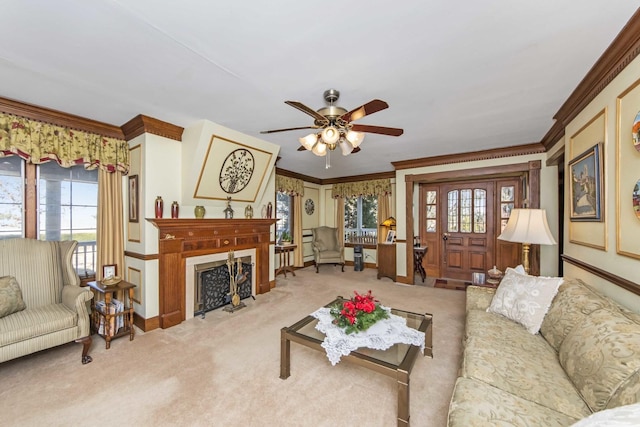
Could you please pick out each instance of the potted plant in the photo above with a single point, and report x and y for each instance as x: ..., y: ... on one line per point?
x: 285, y: 237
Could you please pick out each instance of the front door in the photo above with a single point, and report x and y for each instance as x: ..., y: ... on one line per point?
x: 467, y: 222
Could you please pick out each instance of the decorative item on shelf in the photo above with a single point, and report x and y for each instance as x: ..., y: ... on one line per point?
x: 199, y: 211
x: 269, y: 210
x: 159, y: 207
x: 228, y: 211
x: 263, y: 211
x: 111, y: 281
x: 494, y: 276
x: 527, y: 226
x: 248, y: 212
x: 359, y: 313
x: 175, y: 209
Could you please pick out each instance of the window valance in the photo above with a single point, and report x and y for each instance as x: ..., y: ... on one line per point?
x: 40, y: 142
x: 375, y: 187
x: 291, y: 186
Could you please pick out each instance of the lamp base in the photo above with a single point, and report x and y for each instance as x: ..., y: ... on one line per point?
x: 525, y: 257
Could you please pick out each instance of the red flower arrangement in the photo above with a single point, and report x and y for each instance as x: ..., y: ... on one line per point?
x: 358, y: 313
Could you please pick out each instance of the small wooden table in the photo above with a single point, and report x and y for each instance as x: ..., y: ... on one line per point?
x: 285, y: 266
x: 124, y: 290
x: 418, y: 255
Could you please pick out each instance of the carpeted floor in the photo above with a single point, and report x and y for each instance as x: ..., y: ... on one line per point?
x: 224, y: 370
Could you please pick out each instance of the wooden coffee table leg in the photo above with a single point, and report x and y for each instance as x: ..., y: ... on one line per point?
x: 403, y: 398
x: 285, y: 355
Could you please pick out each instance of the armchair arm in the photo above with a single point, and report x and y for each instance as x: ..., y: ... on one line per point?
x: 75, y: 298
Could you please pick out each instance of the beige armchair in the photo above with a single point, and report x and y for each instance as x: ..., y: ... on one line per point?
x: 327, y: 248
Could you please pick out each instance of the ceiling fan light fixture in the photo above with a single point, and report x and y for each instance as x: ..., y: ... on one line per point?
x: 346, y: 147
x: 309, y: 141
x: 355, y: 138
x: 330, y: 135
x: 320, y: 149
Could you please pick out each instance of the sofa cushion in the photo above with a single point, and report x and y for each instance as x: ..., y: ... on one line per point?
x: 503, y: 354
x: 524, y: 299
x: 10, y: 296
x: 600, y: 355
x: 34, y: 322
x: 475, y: 403
x: 624, y: 416
x: 573, y: 302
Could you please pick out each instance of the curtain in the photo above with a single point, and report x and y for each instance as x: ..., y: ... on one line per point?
x: 40, y: 142
x: 298, y: 256
x: 384, y: 212
x: 340, y: 220
x: 291, y: 186
x: 110, y: 233
x: 373, y: 187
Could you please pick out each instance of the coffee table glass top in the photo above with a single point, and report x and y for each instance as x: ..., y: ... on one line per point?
x: 394, y: 356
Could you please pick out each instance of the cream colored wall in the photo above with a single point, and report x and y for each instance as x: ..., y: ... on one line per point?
x: 548, y: 200
x: 616, y: 222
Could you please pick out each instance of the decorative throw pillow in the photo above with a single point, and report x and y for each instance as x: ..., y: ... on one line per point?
x: 520, y: 269
x: 524, y: 299
x: 10, y: 296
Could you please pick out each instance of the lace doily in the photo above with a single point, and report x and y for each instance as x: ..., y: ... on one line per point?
x: 380, y: 336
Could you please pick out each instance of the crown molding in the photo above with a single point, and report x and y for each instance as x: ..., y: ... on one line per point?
x: 496, y: 153
x: 329, y: 181
x: 290, y: 174
x: 622, y: 50
x: 59, y: 118
x: 144, y: 124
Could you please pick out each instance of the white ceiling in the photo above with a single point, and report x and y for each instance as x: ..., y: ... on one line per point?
x: 459, y: 76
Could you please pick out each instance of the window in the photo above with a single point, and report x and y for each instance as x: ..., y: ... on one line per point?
x: 66, y: 207
x: 467, y: 211
x: 11, y: 197
x: 361, y: 219
x: 284, y: 213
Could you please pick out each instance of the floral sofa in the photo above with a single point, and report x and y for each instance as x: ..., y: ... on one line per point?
x: 585, y: 359
x: 41, y: 302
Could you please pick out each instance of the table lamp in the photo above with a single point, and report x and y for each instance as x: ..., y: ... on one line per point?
x: 529, y: 227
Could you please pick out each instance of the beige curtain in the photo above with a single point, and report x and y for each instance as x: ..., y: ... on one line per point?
x: 384, y: 212
x: 40, y: 142
x: 298, y: 256
x: 110, y: 233
x: 340, y: 219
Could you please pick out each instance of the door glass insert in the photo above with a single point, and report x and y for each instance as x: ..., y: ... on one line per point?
x: 452, y: 211
x: 431, y: 211
x: 507, y: 199
x: 467, y: 211
x: 479, y: 211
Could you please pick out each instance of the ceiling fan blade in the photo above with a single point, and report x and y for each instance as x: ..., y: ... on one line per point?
x: 301, y: 148
x: 363, y: 110
x: 356, y: 150
x: 288, y: 129
x: 300, y: 106
x: 378, y: 129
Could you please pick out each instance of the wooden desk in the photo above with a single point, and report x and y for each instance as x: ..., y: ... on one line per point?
x: 124, y: 291
x: 285, y: 266
x: 418, y: 255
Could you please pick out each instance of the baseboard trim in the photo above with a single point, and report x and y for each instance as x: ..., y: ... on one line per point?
x: 146, y: 324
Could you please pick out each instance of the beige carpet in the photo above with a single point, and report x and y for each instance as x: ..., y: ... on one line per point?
x: 224, y: 370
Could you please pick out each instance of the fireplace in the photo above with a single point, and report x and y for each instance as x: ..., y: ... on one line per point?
x: 181, y: 240
x: 207, y: 281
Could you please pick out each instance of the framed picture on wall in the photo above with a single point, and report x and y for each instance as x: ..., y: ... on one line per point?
x: 133, y: 198
x: 585, y: 187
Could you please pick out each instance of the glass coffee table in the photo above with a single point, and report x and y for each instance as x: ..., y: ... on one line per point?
x: 395, y: 362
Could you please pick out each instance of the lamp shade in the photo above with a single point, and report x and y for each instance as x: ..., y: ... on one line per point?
x: 309, y: 141
x: 528, y: 226
x: 355, y: 138
x: 389, y: 222
x: 330, y: 135
x: 345, y: 147
x: 320, y: 149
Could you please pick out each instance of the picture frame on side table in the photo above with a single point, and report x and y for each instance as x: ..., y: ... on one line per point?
x: 585, y: 187
x: 109, y: 270
x: 391, y: 234
x: 478, y: 278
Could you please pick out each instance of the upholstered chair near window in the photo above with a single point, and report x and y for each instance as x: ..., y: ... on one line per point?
x: 327, y: 248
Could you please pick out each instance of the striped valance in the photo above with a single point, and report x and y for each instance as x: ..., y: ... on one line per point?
x: 291, y: 186
x: 40, y: 142
x: 375, y: 187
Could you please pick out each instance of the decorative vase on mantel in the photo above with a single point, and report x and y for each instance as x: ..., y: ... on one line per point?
x: 199, y: 211
x: 159, y: 207
x: 175, y: 209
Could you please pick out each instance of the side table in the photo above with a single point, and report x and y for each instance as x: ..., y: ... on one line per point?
x: 418, y: 255
x: 124, y: 291
x: 284, y: 251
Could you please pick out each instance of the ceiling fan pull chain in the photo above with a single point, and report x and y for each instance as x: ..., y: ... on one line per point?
x: 327, y: 164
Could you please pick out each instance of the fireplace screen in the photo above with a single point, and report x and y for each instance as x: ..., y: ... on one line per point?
x: 213, y: 284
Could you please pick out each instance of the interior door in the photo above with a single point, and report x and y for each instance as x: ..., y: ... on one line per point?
x: 466, y: 218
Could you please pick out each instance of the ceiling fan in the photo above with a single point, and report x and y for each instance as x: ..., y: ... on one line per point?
x: 335, y: 127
